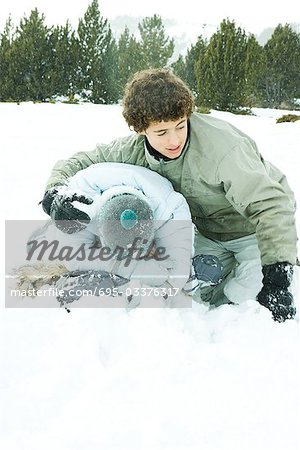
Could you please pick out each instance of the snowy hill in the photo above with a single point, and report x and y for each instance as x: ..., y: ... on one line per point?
x: 149, y: 379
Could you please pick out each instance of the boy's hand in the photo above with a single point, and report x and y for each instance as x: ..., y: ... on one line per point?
x: 274, y: 294
x: 278, y: 301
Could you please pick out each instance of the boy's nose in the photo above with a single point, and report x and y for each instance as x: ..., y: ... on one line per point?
x: 174, y: 140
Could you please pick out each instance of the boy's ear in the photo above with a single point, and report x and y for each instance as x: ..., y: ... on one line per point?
x: 142, y: 133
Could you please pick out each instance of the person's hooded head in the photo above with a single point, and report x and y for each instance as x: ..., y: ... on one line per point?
x: 124, y: 215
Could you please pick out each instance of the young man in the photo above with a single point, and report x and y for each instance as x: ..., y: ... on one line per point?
x: 242, y: 206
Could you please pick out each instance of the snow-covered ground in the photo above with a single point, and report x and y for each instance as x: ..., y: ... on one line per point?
x: 148, y: 379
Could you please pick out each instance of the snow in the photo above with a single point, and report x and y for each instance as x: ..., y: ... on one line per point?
x: 148, y: 379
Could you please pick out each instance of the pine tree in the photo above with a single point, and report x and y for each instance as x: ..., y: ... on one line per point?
x: 180, y: 68
x: 195, y: 53
x: 156, y: 47
x: 129, y: 58
x: 64, y: 59
x: 221, y: 69
x: 184, y: 67
x: 93, y: 41
x: 31, y: 59
x: 110, y: 93
x: 255, y: 69
x: 282, y: 71
x: 6, y: 39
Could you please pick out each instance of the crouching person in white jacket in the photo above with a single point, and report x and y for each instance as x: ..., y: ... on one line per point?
x: 127, y: 224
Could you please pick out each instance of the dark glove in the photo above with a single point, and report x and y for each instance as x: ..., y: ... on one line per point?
x: 48, y: 199
x: 66, y: 216
x: 274, y: 294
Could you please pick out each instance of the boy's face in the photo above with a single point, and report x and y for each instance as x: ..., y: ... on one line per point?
x: 168, y: 138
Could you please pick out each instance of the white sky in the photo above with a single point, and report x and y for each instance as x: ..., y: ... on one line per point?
x: 254, y: 15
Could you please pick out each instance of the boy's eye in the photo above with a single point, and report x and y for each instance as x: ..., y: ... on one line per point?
x: 181, y: 127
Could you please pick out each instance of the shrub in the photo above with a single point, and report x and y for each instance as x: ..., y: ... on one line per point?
x: 288, y: 118
x: 243, y: 112
x: 202, y: 109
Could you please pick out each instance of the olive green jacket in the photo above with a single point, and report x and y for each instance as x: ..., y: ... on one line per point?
x: 231, y: 190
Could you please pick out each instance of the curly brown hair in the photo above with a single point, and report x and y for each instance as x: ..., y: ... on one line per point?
x: 155, y: 95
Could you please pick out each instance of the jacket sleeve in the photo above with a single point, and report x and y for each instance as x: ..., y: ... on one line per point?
x: 119, y: 150
x: 260, y: 192
x: 65, y: 169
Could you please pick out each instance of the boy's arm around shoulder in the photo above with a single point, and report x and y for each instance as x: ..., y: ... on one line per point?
x: 124, y: 149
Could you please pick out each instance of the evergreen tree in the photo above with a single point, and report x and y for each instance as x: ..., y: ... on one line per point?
x: 282, y: 70
x: 195, y: 53
x: 255, y: 69
x: 64, y: 59
x: 129, y: 58
x: 6, y: 84
x: 179, y: 67
x: 30, y: 59
x: 93, y: 40
x: 185, y: 67
x: 156, y: 47
x: 221, y: 69
x: 110, y: 93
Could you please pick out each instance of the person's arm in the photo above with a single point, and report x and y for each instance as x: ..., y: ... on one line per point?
x: 59, y: 207
x: 259, y: 192
x: 56, y: 204
x: 124, y: 149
